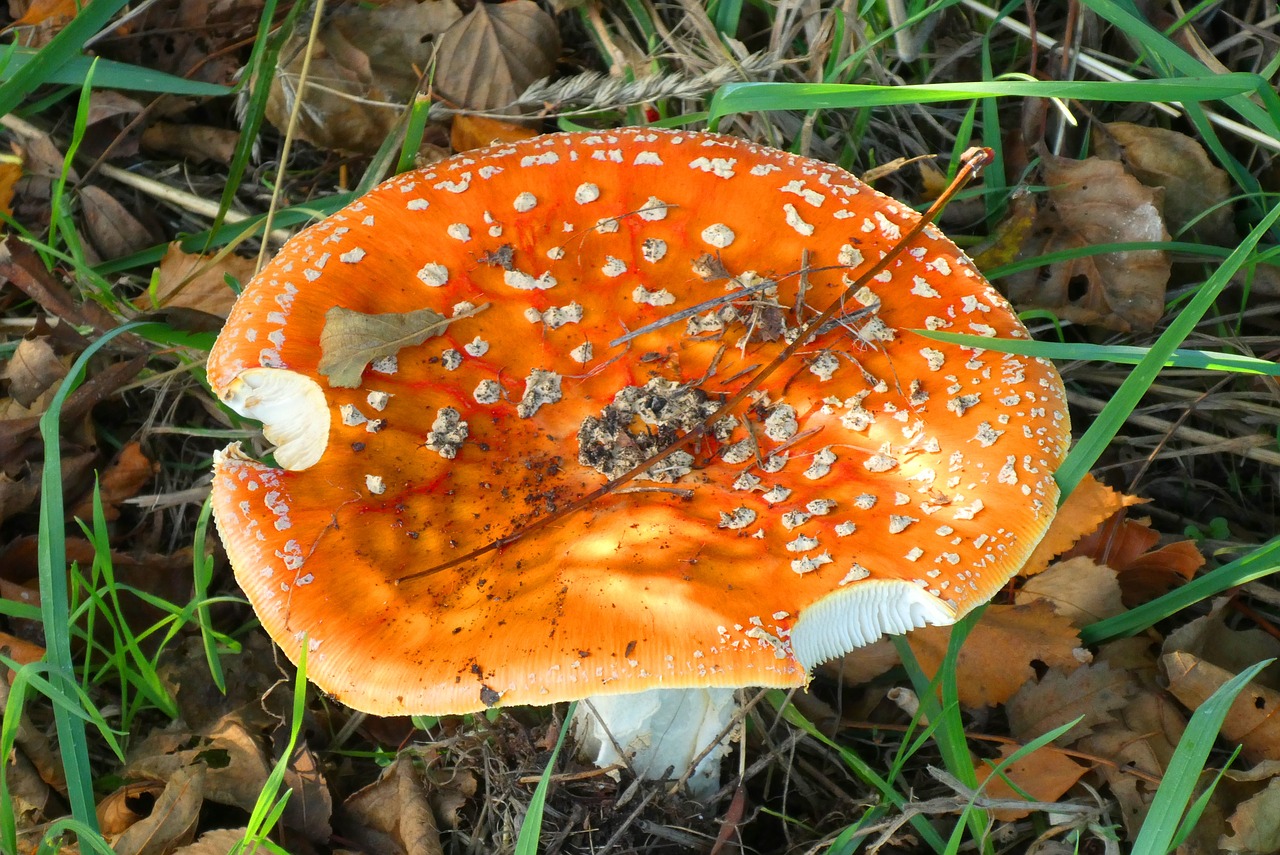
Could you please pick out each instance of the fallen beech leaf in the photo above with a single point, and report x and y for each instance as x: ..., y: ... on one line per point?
x: 1091, y: 693
x: 1255, y: 824
x: 194, y: 281
x: 1077, y: 589
x: 365, y: 68
x: 1090, y: 504
x: 32, y: 370
x: 172, y: 821
x: 1210, y: 638
x: 1252, y: 721
x: 196, y: 143
x: 1095, y: 201
x: 392, y: 814
x: 114, y: 231
x: 217, y: 842
x: 351, y: 340
x: 492, y: 55
x: 1044, y: 774
x: 997, y: 657
x: 1195, y: 188
x: 123, y: 479
x: 468, y: 132
x: 310, y: 808
x: 1125, y: 545
x: 128, y: 806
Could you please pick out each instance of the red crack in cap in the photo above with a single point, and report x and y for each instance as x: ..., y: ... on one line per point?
x: 877, y: 482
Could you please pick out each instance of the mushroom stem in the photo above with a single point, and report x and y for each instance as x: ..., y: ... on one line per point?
x: 658, y: 730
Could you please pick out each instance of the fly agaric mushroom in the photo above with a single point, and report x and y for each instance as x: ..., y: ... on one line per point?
x: 472, y: 346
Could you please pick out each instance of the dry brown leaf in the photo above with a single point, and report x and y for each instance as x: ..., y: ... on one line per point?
x: 172, y: 820
x: 1009, y: 235
x: 1088, y: 506
x: 1255, y: 824
x: 1044, y: 774
x: 351, y: 340
x: 468, y: 132
x: 33, y: 370
x: 310, y: 808
x: 127, y: 806
x: 194, y: 281
x: 492, y: 55
x: 196, y: 143
x: 1095, y: 201
x: 364, y: 69
x: 864, y: 664
x: 1091, y: 693
x: 1209, y: 638
x: 1125, y: 545
x: 124, y: 478
x: 1077, y: 589
x: 1251, y: 721
x: 10, y: 172
x: 114, y: 231
x: 392, y: 814
x: 1192, y: 184
x: 217, y: 842
x: 997, y: 657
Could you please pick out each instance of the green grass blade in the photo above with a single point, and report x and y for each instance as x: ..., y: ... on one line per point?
x: 1188, y: 761
x: 54, y: 603
x: 1116, y: 353
x: 60, y: 50
x: 1105, y: 425
x: 202, y: 570
x: 111, y: 75
x: 778, y: 700
x: 1263, y: 561
x: 531, y: 828
x: 759, y: 97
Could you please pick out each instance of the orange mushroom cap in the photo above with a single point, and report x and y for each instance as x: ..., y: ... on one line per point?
x: 877, y: 482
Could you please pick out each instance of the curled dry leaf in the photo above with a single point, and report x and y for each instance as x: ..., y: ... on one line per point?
x: 351, y: 340
x: 1095, y: 201
x: 997, y: 657
x: 364, y: 69
x: 1195, y: 190
x: 1252, y: 721
x: 392, y: 814
x: 10, y: 172
x: 492, y: 55
x: 1210, y: 638
x: 172, y: 820
x: 128, y: 806
x: 33, y: 370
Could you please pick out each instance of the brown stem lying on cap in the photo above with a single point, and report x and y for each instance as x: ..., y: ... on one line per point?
x: 972, y: 163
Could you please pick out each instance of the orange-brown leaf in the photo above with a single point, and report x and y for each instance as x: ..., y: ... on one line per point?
x: 470, y: 132
x: 1090, y: 504
x: 997, y: 657
x: 1078, y: 589
x: 1044, y: 774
